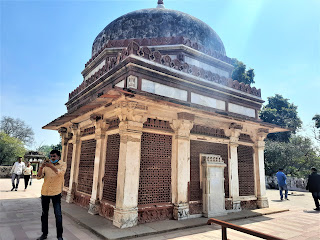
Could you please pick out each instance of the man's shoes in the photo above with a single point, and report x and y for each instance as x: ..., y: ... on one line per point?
x: 317, y: 209
x: 60, y: 238
x: 42, y: 237
x: 12, y: 188
x: 16, y: 189
x: 287, y: 199
x: 281, y: 199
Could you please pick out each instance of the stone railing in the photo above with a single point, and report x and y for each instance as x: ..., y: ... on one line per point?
x: 5, y: 171
x: 159, y: 42
x: 293, y: 183
x: 135, y: 49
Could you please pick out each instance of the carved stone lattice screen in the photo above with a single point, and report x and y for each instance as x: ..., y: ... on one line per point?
x: 197, y: 147
x: 86, y: 166
x: 111, y: 168
x: 155, y: 169
x: 246, y: 170
x: 69, y: 160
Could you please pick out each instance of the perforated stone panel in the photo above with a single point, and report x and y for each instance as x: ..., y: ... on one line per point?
x: 197, y: 147
x: 69, y: 160
x: 155, y: 169
x: 111, y: 168
x: 86, y: 166
x: 245, y: 170
x: 157, y: 124
x: 203, y: 130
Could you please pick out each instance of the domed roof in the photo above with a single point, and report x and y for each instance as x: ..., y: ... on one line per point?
x: 159, y: 23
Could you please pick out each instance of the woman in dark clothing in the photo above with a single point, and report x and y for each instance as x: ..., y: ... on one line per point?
x: 27, y: 175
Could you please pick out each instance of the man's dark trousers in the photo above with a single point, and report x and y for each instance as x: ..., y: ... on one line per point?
x: 56, y: 201
x: 316, y: 198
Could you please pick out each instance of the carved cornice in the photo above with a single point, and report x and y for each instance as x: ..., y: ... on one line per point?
x: 135, y: 49
x: 131, y: 111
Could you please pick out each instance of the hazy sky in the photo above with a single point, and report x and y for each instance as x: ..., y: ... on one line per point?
x: 45, y: 44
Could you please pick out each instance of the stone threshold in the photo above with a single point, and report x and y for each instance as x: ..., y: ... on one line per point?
x: 105, y: 229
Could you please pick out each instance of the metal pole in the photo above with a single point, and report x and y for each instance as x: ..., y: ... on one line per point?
x: 224, y: 233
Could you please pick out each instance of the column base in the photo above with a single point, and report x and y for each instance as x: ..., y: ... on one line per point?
x: 69, y: 197
x: 94, y: 207
x: 125, y: 218
x: 262, y: 202
x: 181, y: 211
x: 236, y: 206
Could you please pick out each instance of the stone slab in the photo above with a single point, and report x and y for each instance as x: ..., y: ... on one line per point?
x: 105, y: 229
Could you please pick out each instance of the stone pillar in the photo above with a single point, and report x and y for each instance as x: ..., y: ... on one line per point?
x: 234, y: 134
x: 262, y: 200
x: 130, y: 130
x: 65, y: 137
x: 181, y: 164
x: 213, y: 185
x: 74, y: 162
x: 100, y: 132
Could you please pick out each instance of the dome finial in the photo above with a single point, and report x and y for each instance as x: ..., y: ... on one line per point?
x: 160, y: 4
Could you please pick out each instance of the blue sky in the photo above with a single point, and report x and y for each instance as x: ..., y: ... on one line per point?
x: 45, y: 44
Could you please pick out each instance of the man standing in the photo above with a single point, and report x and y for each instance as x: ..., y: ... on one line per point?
x: 16, y: 172
x: 53, y: 174
x: 282, y: 183
x: 313, y: 186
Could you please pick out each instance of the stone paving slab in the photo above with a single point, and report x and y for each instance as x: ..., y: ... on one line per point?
x: 104, y: 228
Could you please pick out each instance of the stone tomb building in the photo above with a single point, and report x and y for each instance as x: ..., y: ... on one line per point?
x: 158, y: 129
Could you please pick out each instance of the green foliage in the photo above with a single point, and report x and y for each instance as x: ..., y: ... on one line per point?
x: 17, y: 128
x: 240, y: 74
x: 10, y: 149
x: 280, y: 112
x: 46, y: 149
x: 296, y: 157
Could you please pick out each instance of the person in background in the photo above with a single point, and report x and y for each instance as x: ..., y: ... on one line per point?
x: 313, y: 186
x: 27, y: 174
x: 16, y: 171
x: 53, y: 174
x: 282, y: 182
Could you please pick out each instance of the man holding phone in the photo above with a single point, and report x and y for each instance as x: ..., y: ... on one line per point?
x: 53, y: 173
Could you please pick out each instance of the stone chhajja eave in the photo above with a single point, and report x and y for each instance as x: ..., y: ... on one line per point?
x: 155, y: 56
x: 170, y: 109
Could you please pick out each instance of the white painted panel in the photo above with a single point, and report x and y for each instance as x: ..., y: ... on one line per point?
x: 163, y: 90
x: 120, y: 84
x: 235, y: 108
x: 192, y: 61
x: 96, y: 69
x: 207, y: 101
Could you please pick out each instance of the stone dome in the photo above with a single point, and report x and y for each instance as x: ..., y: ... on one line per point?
x: 159, y: 23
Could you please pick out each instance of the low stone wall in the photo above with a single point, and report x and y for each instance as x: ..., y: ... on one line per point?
x: 293, y: 183
x: 5, y: 171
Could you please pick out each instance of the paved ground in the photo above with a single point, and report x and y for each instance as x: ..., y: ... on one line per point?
x: 20, y: 219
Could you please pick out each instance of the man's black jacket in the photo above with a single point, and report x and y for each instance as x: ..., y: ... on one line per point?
x: 313, y: 182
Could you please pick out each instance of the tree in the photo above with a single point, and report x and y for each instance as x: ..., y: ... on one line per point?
x: 46, y: 149
x: 280, y: 112
x: 10, y: 149
x: 240, y: 74
x: 17, y: 128
x: 316, y: 128
x: 296, y: 156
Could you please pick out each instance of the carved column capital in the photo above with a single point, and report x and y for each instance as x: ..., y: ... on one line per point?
x: 65, y: 135
x: 76, y: 133
x: 261, y: 134
x: 101, y: 126
x: 183, y: 125
x: 233, y: 132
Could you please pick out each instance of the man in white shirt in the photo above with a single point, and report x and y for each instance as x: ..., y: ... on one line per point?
x: 16, y: 172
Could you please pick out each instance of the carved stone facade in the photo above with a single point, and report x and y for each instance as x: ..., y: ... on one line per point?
x: 158, y: 130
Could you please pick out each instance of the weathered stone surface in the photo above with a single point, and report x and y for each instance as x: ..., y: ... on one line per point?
x: 159, y: 22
